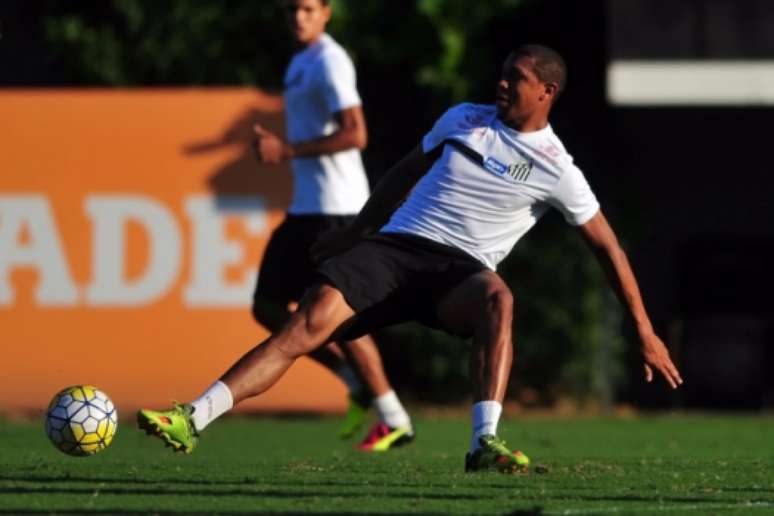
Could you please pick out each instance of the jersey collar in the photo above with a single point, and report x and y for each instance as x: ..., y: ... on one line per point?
x: 531, y: 135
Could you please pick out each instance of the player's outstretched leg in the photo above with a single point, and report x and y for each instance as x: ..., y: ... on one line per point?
x: 179, y: 427
x: 273, y: 313
x: 175, y: 427
x: 321, y: 311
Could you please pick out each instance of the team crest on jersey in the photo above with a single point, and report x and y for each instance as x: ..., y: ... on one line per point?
x: 519, y: 171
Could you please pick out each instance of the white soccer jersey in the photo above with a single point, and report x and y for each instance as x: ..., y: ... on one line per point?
x: 319, y: 82
x: 490, y: 185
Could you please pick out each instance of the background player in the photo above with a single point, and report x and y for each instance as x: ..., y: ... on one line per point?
x: 326, y: 131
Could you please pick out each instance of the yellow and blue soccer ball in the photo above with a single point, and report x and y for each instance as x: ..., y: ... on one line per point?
x: 81, y: 420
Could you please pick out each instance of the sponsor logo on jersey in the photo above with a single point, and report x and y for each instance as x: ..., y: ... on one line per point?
x: 495, y: 166
x: 517, y: 171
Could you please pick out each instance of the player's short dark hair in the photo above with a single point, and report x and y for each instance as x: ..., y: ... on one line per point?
x: 547, y: 64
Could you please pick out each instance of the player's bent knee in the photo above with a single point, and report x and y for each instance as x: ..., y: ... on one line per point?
x: 294, y: 340
x: 499, y: 300
x: 320, y: 308
x: 311, y: 326
x: 496, y: 308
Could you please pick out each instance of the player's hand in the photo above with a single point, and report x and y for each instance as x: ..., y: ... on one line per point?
x: 269, y: 148
x: 657, y: 357
x: 333, y: 242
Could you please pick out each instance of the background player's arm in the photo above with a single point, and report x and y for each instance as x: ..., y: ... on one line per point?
x: 389, y: 192
x: 603, y: 242
x: 351, y: 134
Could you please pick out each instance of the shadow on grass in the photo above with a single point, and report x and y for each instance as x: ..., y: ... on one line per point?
x: 258, y: 483
x: 246, y: 481
x: 107, y: 480
x: 357, y: 492
x: 208, y: 513
x: 750, y: 489
x: 657, y: 499
x: 534, y: 511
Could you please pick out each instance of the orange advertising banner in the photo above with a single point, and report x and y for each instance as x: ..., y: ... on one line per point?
x: 131, y: 226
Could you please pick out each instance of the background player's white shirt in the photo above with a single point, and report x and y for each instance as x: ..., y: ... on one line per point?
x: 319, y: 82
x: 491, y: 185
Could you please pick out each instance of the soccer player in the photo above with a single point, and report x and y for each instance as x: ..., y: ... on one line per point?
x: 326, y: 130
x: 459, y: 202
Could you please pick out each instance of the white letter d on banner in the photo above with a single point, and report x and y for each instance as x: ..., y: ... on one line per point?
x: 109, y: 216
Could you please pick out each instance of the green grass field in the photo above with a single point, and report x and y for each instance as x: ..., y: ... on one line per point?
x: 666, y: 465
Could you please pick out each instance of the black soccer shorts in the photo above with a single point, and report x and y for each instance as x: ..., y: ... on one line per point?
x: 287, y: 268
x: 390, y: 278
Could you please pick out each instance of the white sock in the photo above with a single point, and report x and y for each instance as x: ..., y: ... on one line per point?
x: 390, y: 410
x: 486, y: 414
x: 348, y: 376
x: 215, y: 401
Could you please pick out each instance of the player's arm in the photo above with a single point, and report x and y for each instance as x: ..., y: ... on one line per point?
x: 603, y: 242
x: 351, y: 134
x: 389, y: 192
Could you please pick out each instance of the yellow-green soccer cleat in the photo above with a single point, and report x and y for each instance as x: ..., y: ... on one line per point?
x: 356, y: 414
x: 493, y: 455
x: 383, y: 438
x: 175, y: 427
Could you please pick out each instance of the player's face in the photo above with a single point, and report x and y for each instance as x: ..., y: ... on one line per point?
x: 519, y: 91
x: 307, y: 19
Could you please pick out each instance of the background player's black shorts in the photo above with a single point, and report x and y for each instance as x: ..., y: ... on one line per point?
x: 287, y: 268
x: 391, y: 278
